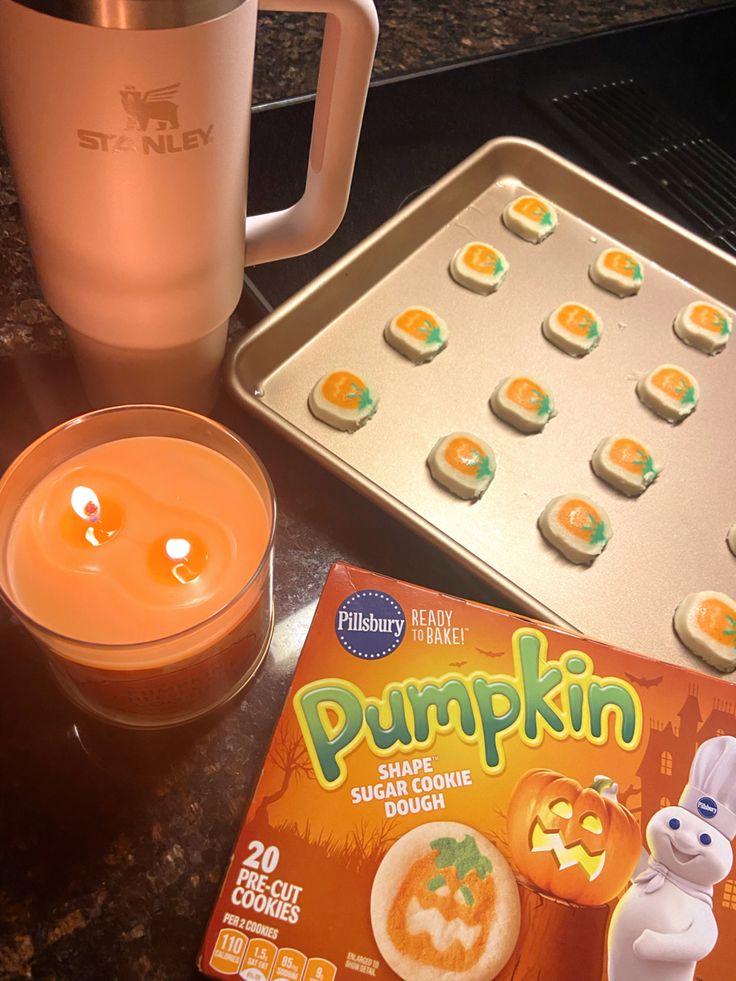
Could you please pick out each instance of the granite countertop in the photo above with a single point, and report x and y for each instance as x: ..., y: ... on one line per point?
x: 112, y: 845
x: 417, y: 35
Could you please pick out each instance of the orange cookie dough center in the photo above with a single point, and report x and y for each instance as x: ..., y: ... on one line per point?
x: 674, y: 383
x: 707, y: 317
x: 580, y: 519
x: 531, y: 208
x: 526, y: 393
x: 464, y: 455
x: 717, y: 620
x: 416, y: 323
x: 343, y: 389
x: 578, y: 320
x: 621, y: 263
x: 629, y: 455
x: 433, y: 906
x: 481, y: 259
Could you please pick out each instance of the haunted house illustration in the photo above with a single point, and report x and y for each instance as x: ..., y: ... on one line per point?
x: 665, y: 769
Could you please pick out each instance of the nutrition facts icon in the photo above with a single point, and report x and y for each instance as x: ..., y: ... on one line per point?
x: 289, y: 965
x: 228, y: 951
x: 319, y: 969
x: 259, y: 960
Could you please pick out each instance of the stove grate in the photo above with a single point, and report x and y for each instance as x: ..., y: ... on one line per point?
x: 689, y: 170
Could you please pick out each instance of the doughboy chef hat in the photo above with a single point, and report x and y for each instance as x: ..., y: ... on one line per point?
x: 711, y: 792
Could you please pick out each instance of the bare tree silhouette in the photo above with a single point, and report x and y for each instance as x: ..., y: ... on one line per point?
x: 289, y: 754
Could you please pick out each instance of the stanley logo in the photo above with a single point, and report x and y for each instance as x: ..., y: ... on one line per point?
x: 152, y: 126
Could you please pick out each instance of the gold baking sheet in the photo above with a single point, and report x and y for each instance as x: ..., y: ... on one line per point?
x: 667, y: 543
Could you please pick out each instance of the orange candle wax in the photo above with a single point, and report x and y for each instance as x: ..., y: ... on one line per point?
x: 177, y: 531
x: 136, y: 560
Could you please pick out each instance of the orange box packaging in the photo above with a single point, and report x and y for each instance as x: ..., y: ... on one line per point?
x: 454, y: 793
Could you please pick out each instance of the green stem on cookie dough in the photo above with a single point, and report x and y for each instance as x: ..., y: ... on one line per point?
x: 542, y: 403
x: 597, y: 528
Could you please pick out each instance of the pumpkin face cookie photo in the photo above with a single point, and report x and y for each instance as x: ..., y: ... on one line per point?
x: 445, y: 905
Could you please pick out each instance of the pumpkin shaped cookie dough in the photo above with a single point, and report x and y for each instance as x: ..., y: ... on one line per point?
x: 463, y: 463
x: 618, y: 272
x: 625, y: 463
x: 343, y: 400
x: 704, y: 326
x: 573, y: 328
x: 479, y: 267
x: 445, y: 905
x: 418, y: 333
x: 530, y: 217
x: 524, y: 403
x: 577, y: 527
x: 577, y: 843
x: 706, y: 624
x: 669, y: 391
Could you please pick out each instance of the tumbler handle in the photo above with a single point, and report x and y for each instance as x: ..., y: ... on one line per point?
x: 351, y: 32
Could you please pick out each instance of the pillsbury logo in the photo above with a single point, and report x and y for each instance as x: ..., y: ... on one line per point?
x: 370, y: 624
x: 707, y: 808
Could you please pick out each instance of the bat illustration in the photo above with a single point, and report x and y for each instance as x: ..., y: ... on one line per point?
x: 644, y: 682
x: 490, y: 653
x: 457, y: 664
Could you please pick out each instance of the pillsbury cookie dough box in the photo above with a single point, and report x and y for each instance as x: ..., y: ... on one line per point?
x: 455, y: 793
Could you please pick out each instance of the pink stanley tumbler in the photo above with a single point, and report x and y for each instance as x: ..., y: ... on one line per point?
x: 127, y: 124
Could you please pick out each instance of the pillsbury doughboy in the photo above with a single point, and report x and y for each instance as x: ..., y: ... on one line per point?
x: 664, y: 924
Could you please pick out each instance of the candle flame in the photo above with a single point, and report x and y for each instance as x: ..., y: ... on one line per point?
x: 178, y: 549
x: 85, y: 503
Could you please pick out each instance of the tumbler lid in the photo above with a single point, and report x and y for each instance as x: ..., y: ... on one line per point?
x: 134, y: 15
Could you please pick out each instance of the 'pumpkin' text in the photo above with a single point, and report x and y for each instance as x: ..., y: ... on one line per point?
x: 562, y: 699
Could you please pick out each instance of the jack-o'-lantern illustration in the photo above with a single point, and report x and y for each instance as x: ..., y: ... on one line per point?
x: 577, y: 843
x: 445, y: 903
